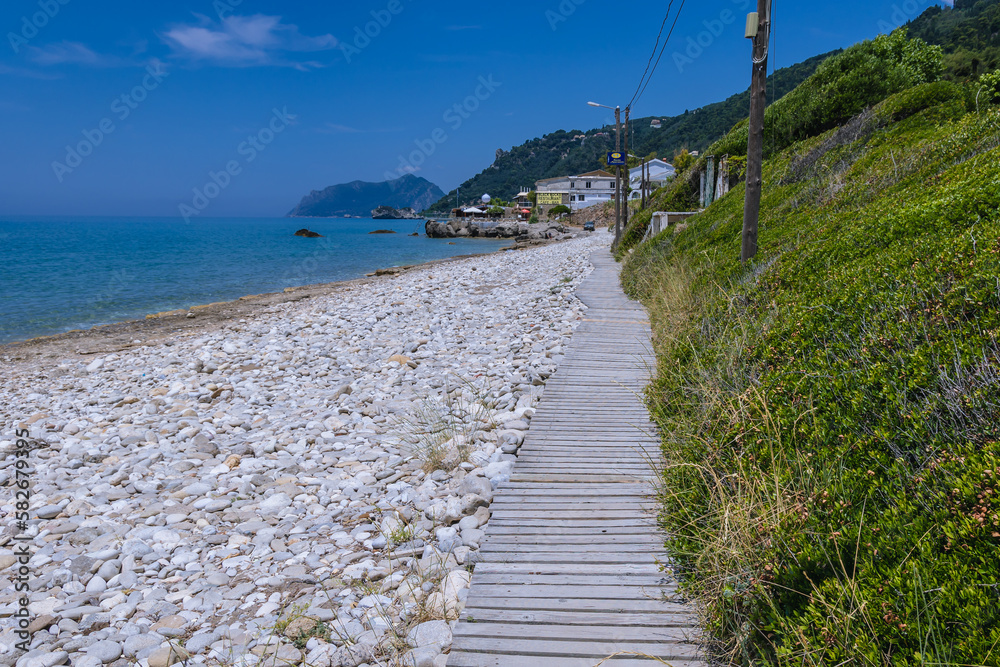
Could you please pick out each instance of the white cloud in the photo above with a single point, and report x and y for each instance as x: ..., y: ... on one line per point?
x: 246, y: 41
x: 6, y: 70
x: 62, y: 53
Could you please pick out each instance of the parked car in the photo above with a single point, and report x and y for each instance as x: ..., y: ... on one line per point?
x: 588, y: 226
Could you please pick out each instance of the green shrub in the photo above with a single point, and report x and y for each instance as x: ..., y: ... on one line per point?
x: 842, y: 87
x: 561, y: 209
x: 636, y: 229
x: 989, y: 86
x: 913, y: 100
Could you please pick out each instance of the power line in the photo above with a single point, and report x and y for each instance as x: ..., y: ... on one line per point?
x: 653, y: 54
x: 664, y: 48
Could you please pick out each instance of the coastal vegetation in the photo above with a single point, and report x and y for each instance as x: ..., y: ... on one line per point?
x: 830, y: 410
x: 577, y: 151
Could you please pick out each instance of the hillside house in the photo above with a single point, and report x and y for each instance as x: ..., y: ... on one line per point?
x: 576, y: 192
x: 659, y: 172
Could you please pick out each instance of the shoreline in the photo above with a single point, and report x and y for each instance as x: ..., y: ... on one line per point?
x: 247, y: 484
x: 154, y: 328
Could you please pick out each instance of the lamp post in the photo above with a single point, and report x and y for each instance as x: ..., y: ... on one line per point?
x: 618, y: 174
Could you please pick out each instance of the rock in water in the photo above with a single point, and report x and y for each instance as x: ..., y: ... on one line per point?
x: 382, y: 231
x: 305, y: 233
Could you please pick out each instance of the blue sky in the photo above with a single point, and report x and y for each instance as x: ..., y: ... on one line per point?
x: 126, y: 108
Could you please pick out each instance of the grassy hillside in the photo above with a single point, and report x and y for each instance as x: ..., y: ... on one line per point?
x: 562, y: 153
x: 831, y: 410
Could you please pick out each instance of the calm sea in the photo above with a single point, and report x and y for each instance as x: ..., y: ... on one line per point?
x: 58, y: 274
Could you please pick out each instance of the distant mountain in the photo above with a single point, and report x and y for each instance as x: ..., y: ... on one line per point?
x: 359, y: 198
x: 564, y: 152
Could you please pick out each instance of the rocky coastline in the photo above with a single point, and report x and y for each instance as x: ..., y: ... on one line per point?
x: 309, y: 483
x: 472, y: 228
x: 390, y: 213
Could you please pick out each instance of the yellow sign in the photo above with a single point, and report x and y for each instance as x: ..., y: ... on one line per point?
x: 550, y: 198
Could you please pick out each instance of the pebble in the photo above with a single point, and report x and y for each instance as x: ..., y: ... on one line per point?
x: 232, y: 477
x: 105, y: 651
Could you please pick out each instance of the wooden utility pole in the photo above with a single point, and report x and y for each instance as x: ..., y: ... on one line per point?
x: 628, y: 175
x: 755, y: 145
x: 642, y: 186
x: 618, y: 177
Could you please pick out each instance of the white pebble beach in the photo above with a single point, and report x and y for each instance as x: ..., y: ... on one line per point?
x: 310, y: 483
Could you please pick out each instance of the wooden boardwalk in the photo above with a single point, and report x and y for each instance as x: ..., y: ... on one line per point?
x: 569, y: 572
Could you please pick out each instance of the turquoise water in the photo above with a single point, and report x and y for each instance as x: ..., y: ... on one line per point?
x: 58, y: 274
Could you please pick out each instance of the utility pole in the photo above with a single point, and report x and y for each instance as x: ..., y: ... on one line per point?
x: 642, y: 185
x: 761, y: 35
x: 628, y: 174
x: 618, y: 177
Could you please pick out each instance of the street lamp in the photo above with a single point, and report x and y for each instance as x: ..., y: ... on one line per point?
x: 618, y: 179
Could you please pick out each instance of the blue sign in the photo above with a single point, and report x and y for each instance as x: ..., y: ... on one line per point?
x: 617, y: 160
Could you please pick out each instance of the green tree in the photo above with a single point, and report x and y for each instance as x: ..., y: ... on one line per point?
x: 989, y: 86
x: 683, y: 160
x: 559, y: 210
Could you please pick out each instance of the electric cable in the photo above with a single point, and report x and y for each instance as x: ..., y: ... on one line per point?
x: 653, y: 54
x: 638, y: 96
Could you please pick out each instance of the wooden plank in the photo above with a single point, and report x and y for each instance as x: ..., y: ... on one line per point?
x: 559, y: 556
x: 571, y: 504
x: 514, y: 568
x: 610, y: 531
x: 654, y: 581
x: 680, y: 618
x: 636, y: 538
x: 463, y: 659
x: 581, y: 477
x: 597, y: 650
x: 578, y: 522
x: 568, y: 592
x: 636, y: 551
x: 578, y: 633
x: 635, y: 605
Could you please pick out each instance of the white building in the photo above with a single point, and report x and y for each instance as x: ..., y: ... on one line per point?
x: 577, y: 192
x: 658, y: 173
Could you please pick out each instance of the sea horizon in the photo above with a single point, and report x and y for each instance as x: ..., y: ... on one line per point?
x: 64, y: 273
